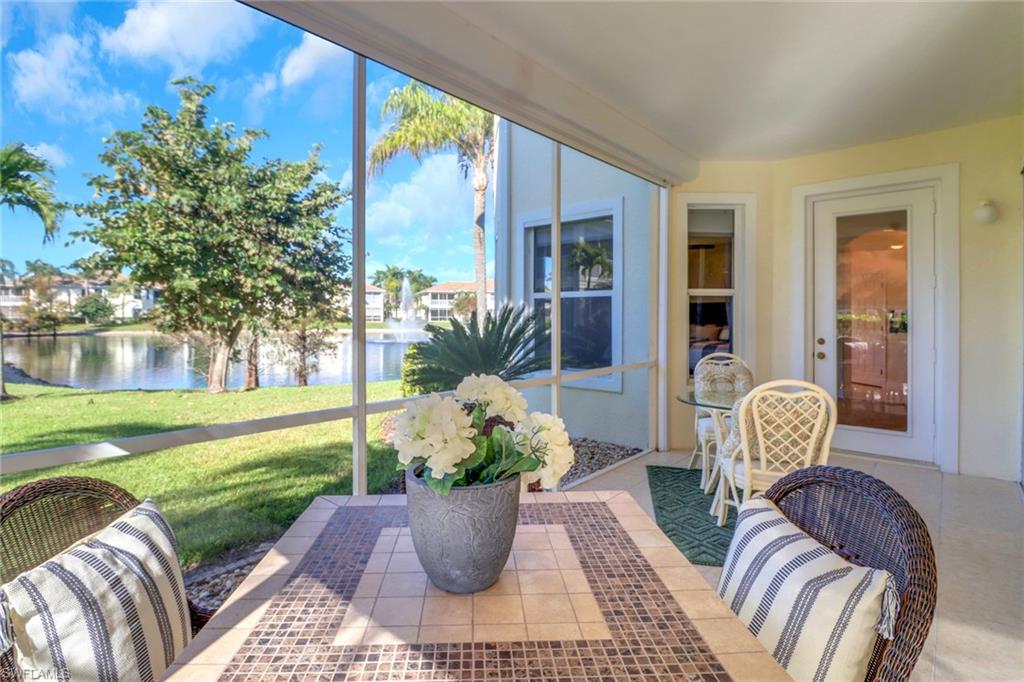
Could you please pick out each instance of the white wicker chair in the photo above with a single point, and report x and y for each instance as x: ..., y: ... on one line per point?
x: 778, y: 428
x: 720, y: 372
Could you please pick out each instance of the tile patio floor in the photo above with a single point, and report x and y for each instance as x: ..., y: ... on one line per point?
x: 977, y: 526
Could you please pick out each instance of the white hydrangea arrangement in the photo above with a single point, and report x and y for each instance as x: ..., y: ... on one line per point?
x: 481, y: 435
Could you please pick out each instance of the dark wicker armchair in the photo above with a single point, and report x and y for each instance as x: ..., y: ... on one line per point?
x: 868, y: 523
x: 41, y: 519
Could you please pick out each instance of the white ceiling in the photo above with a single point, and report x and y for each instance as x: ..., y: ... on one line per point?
x: 768, y: 80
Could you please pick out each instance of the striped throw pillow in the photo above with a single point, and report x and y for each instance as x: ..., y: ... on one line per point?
x: 111, y: 607
x: 817, y: 614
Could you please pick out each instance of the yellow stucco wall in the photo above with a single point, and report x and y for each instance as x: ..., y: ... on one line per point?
x: 989, y: 155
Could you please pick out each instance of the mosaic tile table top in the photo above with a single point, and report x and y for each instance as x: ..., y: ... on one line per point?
x: 593, y: 590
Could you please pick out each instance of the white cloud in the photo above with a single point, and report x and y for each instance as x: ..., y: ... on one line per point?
x: 60, y: 80
x: 51, y: 152
x: 314, y: 54
x: 184, y: 35
x: 434, y: 203
x: 43, y: 17
x: 260, y: 90
x: 346, y: 177
x: 328, y: 66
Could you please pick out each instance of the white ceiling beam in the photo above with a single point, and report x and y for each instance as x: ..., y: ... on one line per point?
x: 429, y: 42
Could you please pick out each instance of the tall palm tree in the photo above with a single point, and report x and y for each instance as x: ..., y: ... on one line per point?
x: 427, y: 121
x: 390, y: 280
x: 25, y: 181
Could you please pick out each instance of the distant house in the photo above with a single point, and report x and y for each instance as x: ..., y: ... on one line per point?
x: 374, y: 303
x: 128, y: 305
x: 14, y: 293
x: 437, y: 300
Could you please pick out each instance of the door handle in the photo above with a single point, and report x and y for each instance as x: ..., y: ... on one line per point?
x: 819, y: 355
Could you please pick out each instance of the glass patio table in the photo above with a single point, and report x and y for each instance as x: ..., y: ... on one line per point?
x: 711, y: 400
x: 718, y: 404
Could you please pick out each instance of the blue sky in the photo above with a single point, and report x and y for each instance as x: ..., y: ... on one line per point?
x: 74, y: 72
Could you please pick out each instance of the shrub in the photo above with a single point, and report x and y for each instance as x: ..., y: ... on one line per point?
x: 94, y: 308
x: 506, y: 346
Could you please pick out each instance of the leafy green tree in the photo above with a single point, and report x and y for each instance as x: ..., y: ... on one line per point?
x: 428, y: 121
x: 42, y: 311
x: 7, y: 270
x: 94, y: 308
x: 41, y: 269
x: 464, y: 305
x: 390, y: 280
x: 25, y: 181
x: 230, y: 241
x: 506, y: 346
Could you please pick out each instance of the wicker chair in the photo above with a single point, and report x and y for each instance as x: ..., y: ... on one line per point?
x: 41, y: 519
x: 714, y: 372
x: 868, y: 523
x: 779, y: 427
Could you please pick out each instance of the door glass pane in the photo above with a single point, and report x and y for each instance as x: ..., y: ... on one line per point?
x: 871, y: 320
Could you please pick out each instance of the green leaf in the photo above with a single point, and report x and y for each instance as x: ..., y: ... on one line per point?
x: 525, y: 464
x: 441, y: 486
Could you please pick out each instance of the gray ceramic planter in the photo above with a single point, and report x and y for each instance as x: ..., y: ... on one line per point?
x: 463, y: 540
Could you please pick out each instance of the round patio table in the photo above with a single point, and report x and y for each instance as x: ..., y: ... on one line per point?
x: 718, y: 404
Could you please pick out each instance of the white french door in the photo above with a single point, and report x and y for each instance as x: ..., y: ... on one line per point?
x: 874, y: 319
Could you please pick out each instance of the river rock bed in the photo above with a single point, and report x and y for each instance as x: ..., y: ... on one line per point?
x: 593, y: 456
x: 210, y: 584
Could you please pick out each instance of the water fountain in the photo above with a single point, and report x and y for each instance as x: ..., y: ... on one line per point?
x: 406, y: 306
x: 405, y: 326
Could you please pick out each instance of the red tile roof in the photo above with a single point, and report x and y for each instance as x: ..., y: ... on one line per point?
x: 455, y: 288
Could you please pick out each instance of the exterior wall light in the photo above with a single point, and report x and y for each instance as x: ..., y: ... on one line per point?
x: 985, y: 213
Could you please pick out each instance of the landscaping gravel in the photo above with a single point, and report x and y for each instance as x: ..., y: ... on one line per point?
x: 593, y: 456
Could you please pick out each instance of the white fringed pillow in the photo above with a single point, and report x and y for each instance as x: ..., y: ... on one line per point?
x: 817, y: 614
x: 111, y: 607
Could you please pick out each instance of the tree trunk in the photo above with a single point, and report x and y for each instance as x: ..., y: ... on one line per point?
x: 252, y: 363
x: 302, y: 346
x: 479, y: 246
x: 3, y: 383
x: 216, y: 375
x: 220, y: 360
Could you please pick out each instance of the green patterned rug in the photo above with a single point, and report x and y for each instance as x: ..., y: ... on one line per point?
x: 681, y: 510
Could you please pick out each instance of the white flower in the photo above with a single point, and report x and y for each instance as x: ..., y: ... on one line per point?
x: 544, y: 436
x: 435, y: 430
x: 499, y: 399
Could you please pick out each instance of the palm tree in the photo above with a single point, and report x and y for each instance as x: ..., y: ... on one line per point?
x: 8, y: 273
x: 428, y: 121
x: 390, y: 280
x: 25, y: 181
x: 589, y: 257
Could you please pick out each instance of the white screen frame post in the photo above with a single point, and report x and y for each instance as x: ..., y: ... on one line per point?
x: 359, y: 431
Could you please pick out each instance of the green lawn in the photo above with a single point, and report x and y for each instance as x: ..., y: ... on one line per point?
x: 218, y: 495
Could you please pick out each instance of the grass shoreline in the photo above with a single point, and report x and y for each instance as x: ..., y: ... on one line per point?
x: 219, y: 495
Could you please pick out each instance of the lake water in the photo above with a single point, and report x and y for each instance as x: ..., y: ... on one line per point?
x: 152, y: 362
